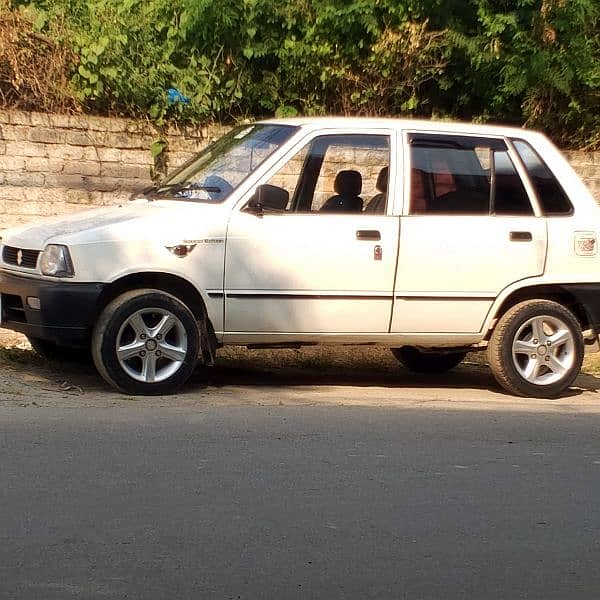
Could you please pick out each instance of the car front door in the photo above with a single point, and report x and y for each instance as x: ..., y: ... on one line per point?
x: 324, y: 261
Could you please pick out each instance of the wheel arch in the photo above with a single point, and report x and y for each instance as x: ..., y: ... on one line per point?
x: 560, y: 294
x: 172, y: 284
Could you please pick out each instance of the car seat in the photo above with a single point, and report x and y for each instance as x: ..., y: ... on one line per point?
x: 348, y: 186
x: 377, y: 203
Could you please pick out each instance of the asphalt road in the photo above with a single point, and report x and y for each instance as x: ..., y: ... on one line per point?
x: 228, y: 494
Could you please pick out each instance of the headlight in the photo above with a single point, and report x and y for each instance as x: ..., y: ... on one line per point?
x: 56, y: 261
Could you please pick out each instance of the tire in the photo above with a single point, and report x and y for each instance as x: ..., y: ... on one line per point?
x: 146, y: 342
x: 536, y: 349
x: 427, y: 362
x: 53, y: 351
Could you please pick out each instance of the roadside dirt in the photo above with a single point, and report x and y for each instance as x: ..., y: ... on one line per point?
x: 355, y: 376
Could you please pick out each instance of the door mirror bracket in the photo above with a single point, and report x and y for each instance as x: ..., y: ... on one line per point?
x: 254, y: 206
x: 267, y: 198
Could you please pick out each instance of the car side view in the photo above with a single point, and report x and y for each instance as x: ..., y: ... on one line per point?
x: 432, y: 238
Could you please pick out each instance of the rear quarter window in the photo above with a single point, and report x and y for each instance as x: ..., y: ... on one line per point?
x: 552, y: 196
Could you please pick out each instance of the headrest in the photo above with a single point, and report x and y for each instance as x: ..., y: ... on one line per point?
x: 382, y: 180
x: 348, y: 183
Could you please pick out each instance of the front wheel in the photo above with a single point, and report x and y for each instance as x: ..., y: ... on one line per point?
x: 427, y: 362
x: 146, y: 342
x: 536, y: 349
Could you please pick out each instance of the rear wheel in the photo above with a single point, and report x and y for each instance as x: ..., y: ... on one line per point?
x: 536, y: 349
x: 146, y: 342
x: 417, y: 361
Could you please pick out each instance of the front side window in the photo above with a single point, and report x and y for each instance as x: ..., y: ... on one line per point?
x: 214, y: 173
x: 552, y: 196
x: 337, y: 173
x: 465, y: 176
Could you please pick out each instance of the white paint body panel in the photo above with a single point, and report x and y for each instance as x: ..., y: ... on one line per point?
x: 110, y: 243
x: 308, y: 273
x: 465, y: 261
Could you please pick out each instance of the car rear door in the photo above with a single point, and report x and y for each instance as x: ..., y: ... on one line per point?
x: 469, y: 231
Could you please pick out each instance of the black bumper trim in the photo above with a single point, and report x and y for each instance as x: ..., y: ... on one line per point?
x: 67, y: 310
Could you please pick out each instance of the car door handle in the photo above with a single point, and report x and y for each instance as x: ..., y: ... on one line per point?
x: 520, y: 236
x: 368, y: 234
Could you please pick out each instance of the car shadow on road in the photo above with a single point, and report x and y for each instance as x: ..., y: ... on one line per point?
x: 26, y: 366
x: 466, y: 376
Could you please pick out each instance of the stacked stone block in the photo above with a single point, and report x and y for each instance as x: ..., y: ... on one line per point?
x: 587, y: 166
x: 56, y: 164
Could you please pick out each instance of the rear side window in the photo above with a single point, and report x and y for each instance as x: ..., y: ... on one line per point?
x: 552, y: 196
x: 464, y: 175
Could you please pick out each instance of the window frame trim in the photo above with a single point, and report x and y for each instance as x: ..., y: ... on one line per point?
x: 395, y: 169
x: 512, y: 153
x: 322, y: 161
x: 542, y: 213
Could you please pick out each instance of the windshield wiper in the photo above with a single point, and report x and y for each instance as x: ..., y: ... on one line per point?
x: 176, y: 188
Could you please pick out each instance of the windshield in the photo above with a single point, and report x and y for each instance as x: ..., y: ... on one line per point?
x: 214, y: 173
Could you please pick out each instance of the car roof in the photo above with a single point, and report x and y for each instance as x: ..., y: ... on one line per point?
x: 440, y: 126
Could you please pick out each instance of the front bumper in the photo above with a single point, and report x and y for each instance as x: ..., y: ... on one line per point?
x: 66, y: 311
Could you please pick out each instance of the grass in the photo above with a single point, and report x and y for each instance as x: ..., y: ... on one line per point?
x: 370, y: 358
x: 591, y: 364
x: 14, y: 355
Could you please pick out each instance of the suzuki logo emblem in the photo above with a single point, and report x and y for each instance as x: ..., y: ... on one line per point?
x: 19, y: 257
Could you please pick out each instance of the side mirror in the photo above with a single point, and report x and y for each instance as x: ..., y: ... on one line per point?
x: 268, y: 197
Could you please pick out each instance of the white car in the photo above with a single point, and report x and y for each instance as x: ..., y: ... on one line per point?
x: 432, y: 238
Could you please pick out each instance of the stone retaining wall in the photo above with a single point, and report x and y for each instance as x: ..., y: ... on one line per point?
x: 56, y: 164
x: 587, y: 165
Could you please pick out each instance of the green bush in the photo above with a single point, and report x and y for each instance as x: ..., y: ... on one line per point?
x: 537, y: 64
x: 34, y: 69
x: 522, y: 61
